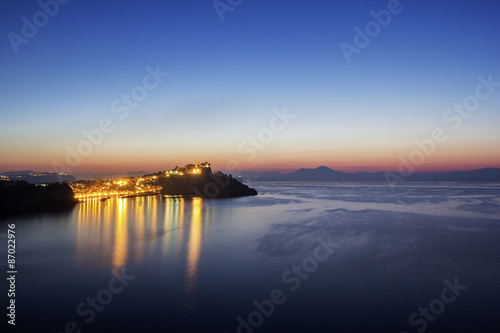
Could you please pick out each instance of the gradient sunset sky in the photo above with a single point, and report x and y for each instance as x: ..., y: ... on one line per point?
x: 229, y: 78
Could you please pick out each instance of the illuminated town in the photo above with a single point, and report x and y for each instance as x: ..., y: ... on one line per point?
x: 133, y: 186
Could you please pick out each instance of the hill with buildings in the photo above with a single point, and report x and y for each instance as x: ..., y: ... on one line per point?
x: 190, y: 180
x: 199, y: 180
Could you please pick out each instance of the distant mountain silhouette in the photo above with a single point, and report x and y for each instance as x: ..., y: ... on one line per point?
x: 324, y: 173
x: 319, y: 173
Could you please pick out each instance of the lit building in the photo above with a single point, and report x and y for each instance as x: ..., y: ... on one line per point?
x: 190, y: 169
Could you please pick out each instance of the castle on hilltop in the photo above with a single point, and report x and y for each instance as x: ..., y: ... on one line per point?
x: 191, y: 169
x: 199, y: 180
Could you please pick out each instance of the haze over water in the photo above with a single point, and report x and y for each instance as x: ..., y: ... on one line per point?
x: 196, y: 265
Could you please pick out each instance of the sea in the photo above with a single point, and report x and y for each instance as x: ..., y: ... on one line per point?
x: 298, y: 257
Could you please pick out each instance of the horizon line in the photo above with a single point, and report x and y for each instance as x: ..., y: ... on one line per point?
x: 283, y: 171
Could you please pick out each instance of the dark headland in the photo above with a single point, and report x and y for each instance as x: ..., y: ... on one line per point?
x: 17, y: 196
x: 199, y: 180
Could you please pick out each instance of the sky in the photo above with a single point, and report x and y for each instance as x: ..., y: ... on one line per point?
x: 255, y: 85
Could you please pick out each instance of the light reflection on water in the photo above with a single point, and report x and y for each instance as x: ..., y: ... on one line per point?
x: 121, y: 235
x: 121, y: 231
x: 199, y: 264
x: 194, y: 247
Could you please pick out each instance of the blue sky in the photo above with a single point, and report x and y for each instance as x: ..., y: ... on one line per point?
x: 227, y: 77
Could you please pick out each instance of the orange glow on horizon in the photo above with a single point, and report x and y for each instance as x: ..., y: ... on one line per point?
x: 349, y: 158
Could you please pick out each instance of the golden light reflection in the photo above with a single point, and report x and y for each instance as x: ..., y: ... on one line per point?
x: 180, y: 222
x: 102, y: 232
x: 153, y: 226
x: 107, y: 213
x: 119, y: 231
x: 90, y: 248
x: 194, y: 246
x: 120, y: 249
x: 139, y: 230
x: 173, y: 222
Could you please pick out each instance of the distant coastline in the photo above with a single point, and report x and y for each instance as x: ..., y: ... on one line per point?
x: 324, y: 173
x: 321, y: 173
x: 28, y: 191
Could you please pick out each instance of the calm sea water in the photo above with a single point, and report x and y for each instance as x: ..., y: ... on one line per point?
x: 299, y: 257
